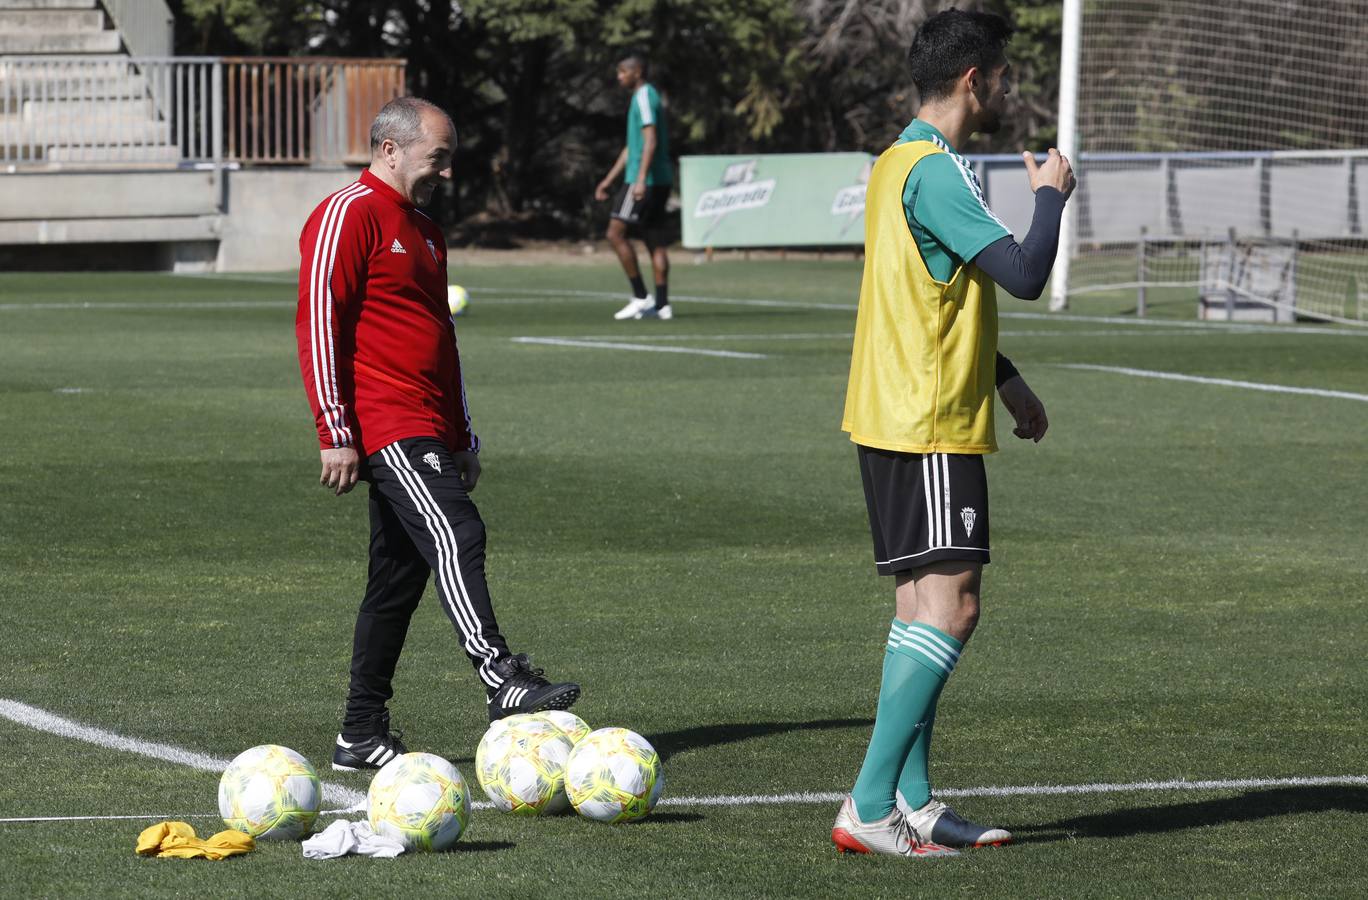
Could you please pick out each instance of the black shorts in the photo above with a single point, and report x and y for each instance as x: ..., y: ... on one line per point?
x: 648, y: 213
x: 924, y: 507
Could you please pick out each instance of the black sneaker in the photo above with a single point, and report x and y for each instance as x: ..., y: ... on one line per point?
x: 524, y: 690
x: 371, y: 752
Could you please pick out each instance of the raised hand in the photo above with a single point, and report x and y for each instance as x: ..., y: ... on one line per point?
x: 1055, y: 172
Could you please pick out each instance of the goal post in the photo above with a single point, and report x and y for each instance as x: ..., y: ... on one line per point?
x: 1067, y: 143
x: 1218, y: 129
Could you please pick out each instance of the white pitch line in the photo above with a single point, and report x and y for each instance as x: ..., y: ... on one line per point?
x: 161, y: 816
x: 258, y: 278
x: 1030, y: 790
x: 734, y: 336
x: 847, y: 335
x: 42, y: 720
x: 1215, y: 327
x: 497, y: 297
x: 692, y: 298
x: 641, y: 348
x: 142, y: 305
x: 1045, y: 316
x: 1222, y: 382
x: 1179, y: 785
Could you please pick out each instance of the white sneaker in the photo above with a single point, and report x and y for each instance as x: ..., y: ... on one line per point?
x: 890, y: 835
x: 937, y: 822
x: 635, y: 308
x: 664, y: 313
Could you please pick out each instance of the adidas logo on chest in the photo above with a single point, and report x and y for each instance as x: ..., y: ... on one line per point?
x: 397, y: 247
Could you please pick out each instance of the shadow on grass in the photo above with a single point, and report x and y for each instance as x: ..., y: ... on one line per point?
x: 668, y: 818
x: 481, y: 846
x: 669, y: 743
x: 1247, y: 807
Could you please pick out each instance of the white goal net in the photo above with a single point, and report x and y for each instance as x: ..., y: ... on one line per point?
x: 1224, y: 157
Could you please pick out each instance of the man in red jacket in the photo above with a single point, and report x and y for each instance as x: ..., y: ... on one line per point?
x: 377, y: 349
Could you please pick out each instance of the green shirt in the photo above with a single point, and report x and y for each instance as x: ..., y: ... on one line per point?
x: 945, y: 209
x: 645, y: 109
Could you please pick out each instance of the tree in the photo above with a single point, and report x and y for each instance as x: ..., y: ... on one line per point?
x: 858, y: 94
x: 257, y: 27
x: 530, y: 83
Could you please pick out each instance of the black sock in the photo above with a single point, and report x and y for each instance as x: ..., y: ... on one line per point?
x: 638, y: 287
x: 662, y: 296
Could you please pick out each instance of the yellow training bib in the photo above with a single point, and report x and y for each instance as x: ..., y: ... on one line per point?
x: 922, y: 371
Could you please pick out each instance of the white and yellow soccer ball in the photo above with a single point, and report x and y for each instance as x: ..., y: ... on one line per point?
x: 570, y: 725
x: 458, y: 298
x: 613, y: 776
x: 271, y: 793
x: 419, y: 799
x: 520, y: 763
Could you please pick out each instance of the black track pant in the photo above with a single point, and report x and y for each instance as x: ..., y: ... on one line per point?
x: 422, y: 522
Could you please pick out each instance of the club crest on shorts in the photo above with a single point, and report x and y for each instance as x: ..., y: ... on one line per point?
x: 432, y: 460
x: 968, y: 515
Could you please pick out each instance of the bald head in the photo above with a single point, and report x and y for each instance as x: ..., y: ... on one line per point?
x: 402, y: 121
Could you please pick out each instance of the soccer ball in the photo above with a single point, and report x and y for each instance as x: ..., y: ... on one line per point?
x: 614, y: 776
x: 570, y: 725
x: 521, y: 765
x: 458, y: 298
x: 419, y: 799
x: 270, y: 792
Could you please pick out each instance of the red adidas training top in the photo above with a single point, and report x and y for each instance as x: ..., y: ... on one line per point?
x: 377, y: 345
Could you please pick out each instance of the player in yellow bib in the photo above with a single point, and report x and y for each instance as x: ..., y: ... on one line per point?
x: 919, y: 407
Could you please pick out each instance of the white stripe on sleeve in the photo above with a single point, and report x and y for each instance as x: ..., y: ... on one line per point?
x: 643, y: 102
x: 321, y: 313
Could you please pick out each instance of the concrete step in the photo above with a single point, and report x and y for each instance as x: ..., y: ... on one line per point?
x: 14, y: 132
x: 15, y: 66
x: 90, y: 72
x: 47, y: 4
x: 71, y: 87
x: 153, y: 153
x: 41, y: 42
x: 111, y: 230
x: 11, y: 63
x: 53, y: 20
x: 41, y: 111
x: 92, y: 192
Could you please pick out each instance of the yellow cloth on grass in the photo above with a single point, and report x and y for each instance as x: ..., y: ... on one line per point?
x: 178, y: 840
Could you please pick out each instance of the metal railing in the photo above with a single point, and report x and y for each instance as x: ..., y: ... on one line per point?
x: 290, y: 110
x: 60, y: 111
x: 146, y: 26
x: 1318, y: 193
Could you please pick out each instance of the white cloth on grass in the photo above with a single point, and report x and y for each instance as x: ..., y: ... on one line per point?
x: 342, y: 838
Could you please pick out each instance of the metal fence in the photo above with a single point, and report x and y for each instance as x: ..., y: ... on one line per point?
x: 1319, y: 194
x: 60, y: 111
x: 1271, y: 234
x: 286, y: 110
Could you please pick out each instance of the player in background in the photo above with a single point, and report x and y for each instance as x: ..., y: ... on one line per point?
x: 640, y: 205
x: 377, y: 349
x: 919, y: 407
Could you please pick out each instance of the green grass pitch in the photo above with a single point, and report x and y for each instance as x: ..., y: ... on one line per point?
x: 1177, y: 592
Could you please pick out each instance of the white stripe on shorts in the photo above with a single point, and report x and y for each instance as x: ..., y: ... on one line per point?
x: 949, y: 523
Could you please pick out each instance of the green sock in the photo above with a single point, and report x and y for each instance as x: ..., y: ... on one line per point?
x: 914, y: 782
x: 917, y: 662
